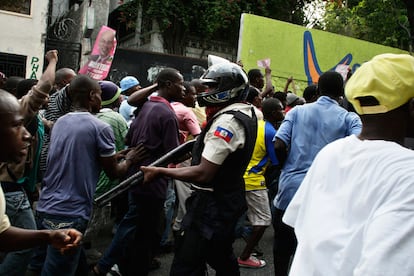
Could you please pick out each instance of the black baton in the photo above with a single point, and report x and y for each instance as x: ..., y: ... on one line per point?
x: 174, y: 156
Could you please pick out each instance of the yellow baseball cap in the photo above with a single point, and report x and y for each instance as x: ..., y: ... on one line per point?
x: 389, y: 78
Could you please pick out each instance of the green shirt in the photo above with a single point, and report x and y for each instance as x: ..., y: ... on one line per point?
x: 120, y: 129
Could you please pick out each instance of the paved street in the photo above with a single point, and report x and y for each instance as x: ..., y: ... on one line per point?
x: 166, y: 259
x: 265, y: 244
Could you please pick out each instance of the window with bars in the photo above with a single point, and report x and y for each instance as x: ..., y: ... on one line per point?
x: 13, y: 65
x: 17, y: 6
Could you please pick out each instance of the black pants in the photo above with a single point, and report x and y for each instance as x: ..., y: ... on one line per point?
x: 284, y: 245
x: 149, y: 228
x: 207, y: 237
x: 193, y: 252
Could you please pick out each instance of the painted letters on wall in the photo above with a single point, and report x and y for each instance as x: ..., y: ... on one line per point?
x: 300, y: 52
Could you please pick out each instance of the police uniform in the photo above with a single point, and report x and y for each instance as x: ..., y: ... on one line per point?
x: 214, y: 208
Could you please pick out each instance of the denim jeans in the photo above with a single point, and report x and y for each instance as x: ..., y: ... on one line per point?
x: 56, y: 263
x: 138, y: 235
x: 20, y: 215
x: 124, y: 236
x: 242, y: 230
x: 169, y: 206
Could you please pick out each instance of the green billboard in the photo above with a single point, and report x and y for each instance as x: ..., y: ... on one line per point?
x: 299, y: 52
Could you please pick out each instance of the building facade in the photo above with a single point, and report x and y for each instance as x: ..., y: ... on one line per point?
x: 30, y: 28
x: 23, y: 36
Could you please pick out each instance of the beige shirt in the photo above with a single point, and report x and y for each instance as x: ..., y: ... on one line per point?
x: 4, y: 220
x: 225, y: 135
x: 200, y: 113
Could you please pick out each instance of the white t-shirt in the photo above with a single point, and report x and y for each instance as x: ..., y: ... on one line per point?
x: 354, y: 211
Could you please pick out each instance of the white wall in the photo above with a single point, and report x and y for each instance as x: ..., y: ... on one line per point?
x: 25, y: 35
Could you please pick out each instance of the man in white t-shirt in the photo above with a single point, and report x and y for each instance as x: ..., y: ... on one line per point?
x: 354, y: 211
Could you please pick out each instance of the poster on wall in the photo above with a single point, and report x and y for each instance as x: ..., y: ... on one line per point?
x: 100, y: 60
x: 299, y: 52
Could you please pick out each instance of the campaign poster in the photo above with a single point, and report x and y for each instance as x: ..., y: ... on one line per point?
x: 100, y: 60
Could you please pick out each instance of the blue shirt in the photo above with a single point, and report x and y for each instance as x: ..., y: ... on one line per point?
x: 305, y: 131
x: 126, y: 110
x: 77, y: 141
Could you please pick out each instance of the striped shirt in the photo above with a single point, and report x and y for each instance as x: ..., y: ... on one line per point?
x: 59, y: 105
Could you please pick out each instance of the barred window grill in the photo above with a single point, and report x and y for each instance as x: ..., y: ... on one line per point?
x: 13, y: 65
x: 22, y: 6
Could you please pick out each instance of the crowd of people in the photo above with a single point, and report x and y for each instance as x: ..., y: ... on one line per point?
x: 328, y: 170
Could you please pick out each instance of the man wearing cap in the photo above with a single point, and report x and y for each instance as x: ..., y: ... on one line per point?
x: 304, y: 132
x: 111, y: 99
x: 293, y: 100
x: 129, y: 85
x: 354, y: 212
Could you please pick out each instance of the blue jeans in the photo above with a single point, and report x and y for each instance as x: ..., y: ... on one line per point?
x: 242, y: 231
x: 20, y: 215
x: 56, y: 263
x: 138, y: 235
x: 169, y: 205
x: 124, y: 236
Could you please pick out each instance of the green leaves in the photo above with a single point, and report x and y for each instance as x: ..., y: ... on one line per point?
x: 378, y: 21
x: 208, y: 19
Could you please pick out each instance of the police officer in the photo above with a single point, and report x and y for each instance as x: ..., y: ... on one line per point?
x: 220, y: 157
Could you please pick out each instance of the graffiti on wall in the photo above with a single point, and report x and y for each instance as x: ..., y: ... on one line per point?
x: 299, y: 52
x: 34, y: 67
x: 145, y: 66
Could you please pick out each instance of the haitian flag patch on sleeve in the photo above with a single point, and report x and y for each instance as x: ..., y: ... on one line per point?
x: 223, y: 134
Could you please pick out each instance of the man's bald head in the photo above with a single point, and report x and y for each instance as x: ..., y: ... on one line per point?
x: 63, y: 76
x: 8, y: 103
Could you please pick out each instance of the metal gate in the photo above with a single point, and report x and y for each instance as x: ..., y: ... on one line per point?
x: 69, y: 53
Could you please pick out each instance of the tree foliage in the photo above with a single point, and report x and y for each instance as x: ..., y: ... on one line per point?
x: 384, y: 22
x: 217, y: 20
